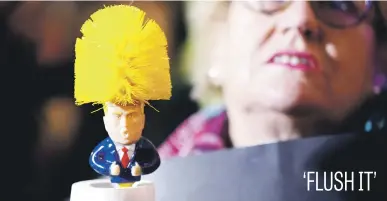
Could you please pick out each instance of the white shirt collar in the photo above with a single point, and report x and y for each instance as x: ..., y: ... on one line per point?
x: 129, y: 147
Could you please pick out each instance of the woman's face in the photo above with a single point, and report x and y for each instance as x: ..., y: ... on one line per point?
x: 291, y: 62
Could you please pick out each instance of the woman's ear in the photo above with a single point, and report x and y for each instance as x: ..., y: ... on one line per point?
x: 218, y: 54
x: 207, y: 37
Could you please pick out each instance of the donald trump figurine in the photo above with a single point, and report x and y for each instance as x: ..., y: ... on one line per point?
x: 122, y: 63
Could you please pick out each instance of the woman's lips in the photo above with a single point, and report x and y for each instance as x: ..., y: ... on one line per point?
x: 296, y: 60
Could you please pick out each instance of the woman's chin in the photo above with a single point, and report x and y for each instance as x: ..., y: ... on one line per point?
x: 281, y: 105
x: 285, y: 101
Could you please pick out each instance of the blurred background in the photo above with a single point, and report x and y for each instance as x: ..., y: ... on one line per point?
x: 47, y: 139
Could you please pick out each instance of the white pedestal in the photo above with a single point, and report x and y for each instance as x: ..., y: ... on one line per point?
x: 103, y: 190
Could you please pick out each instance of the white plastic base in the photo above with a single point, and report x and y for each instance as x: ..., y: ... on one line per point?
x: 103, y: 190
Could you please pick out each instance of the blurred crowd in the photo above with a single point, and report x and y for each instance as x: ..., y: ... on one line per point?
x: 42, y: 125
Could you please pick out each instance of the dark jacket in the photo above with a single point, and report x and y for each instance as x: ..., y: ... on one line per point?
x: 105, y: 153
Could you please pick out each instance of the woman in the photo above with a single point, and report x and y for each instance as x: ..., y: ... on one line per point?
x: 291, y: 69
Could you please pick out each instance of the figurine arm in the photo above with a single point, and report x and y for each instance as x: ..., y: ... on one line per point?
x: 148, y: 157
x: 153, y: 164
x: 99, y: 162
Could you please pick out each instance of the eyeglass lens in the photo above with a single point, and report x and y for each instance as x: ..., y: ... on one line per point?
x: 337, y: 14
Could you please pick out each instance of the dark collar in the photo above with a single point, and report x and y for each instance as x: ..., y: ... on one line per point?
x: 369, y: 118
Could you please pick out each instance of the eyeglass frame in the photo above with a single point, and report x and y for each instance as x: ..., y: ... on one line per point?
x: 370, y: 5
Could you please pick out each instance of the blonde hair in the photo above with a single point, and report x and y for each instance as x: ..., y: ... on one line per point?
x: 121, y: 58
x: 205, y: 24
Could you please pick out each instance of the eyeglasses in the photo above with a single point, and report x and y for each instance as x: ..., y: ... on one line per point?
x: 337, y: 14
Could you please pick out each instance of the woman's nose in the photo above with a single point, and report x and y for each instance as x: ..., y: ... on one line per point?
x: 299, y: 17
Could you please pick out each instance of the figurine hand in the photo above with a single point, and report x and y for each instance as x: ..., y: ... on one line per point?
x: 136, y: 170
x: 114, y: 169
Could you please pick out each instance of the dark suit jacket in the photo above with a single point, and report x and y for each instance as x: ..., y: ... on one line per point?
x: 105, y: 153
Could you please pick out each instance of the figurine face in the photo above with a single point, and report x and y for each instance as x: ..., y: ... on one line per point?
x: 124, y: 124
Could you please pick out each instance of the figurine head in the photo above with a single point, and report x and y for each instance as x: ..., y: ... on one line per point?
x: 124, y: 124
